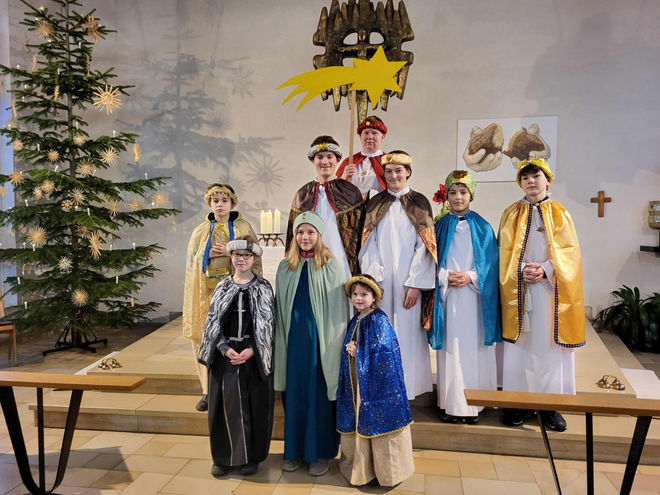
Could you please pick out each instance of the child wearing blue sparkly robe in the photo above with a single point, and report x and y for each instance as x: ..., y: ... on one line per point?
x: 312, y: 311
x: 373, y: 414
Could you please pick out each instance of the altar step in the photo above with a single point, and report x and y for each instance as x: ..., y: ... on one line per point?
x: 166, y: 404
x: 176, y: 414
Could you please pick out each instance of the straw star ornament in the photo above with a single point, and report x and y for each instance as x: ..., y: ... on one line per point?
x: 107, y: 99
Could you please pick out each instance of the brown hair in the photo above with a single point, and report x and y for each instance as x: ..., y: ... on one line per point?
x: 374, y: 305
x: 399, y: 152
x: 220, y: 184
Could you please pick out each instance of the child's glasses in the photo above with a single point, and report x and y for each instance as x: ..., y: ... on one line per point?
x: 242, y: 256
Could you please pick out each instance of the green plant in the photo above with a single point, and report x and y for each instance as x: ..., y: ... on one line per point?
x: 634, y: 319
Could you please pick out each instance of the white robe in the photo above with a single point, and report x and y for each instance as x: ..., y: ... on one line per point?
x: 464, y: 361
x: 331, y: 236
x: 397, y: 258
x: 535, y: 363
x: 365, y: 178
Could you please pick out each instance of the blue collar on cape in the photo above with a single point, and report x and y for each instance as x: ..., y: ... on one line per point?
x: 486, y: 261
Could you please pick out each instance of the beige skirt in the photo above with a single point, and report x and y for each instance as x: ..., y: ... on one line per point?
x: 389, y: 458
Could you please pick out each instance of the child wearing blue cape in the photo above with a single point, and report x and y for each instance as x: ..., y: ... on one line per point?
x: 466, y: 316
x: 373, y: 414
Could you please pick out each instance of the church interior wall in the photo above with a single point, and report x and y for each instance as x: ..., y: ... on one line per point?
x: 206, y: 105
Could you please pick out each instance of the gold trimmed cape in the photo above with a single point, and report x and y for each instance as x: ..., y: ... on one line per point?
x: 563, y: 250
x: 348, y: 205
x: 197, y: 291
x: 419, y: 212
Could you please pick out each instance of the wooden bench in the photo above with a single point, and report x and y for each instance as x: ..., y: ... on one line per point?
x: 588, y: 404
x: 77, y: 384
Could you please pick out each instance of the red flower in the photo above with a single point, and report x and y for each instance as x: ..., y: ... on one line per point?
x: 440, y: 196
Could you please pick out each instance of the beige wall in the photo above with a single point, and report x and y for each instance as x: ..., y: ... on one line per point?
x: 593, y: 63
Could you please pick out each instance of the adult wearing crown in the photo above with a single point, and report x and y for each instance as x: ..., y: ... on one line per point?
x: 338, y: 202
x: 365, y: 169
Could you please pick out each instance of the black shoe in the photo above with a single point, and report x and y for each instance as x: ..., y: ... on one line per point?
x: 470, y: 420
x: 249, y: 468
x: 553, y: 420
x: 447, y: 418
x: 218, y: 471
x: 203, y: 404
x: 516, y: 417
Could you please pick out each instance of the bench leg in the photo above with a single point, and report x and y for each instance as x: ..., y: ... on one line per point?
x: 636, y: 446
x: 546, y: 441
x: 18, y: 443
x: 589, y: 424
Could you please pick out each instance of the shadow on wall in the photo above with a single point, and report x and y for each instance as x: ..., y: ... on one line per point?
x: 184, y: 124
x: 605, y: 92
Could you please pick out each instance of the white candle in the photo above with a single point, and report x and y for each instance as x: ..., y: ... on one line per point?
x: 33, y: 248
x: 133, y: 245
x: 56, y: 167
x: 25, y: 304
x: 277, y: 221
x: 110, y: 247
x: 146, y: 176
x: 23, y: 248
x: 87, y: 211
x: 117, y: 279
x: 26, y: 202
x: 76, y: 124
x: 262, y: 222
x: 269, y: 222
x: 19, y: 280
x: 38, y: 147
x: 114, y: 133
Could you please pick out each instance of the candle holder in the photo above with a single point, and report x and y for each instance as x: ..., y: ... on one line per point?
x: 271, y: 239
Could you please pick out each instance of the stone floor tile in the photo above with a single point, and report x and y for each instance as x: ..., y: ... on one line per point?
x: 9, y: 478
x: 80, y: 476
x: 118, y: 442
x: 445, y: 485
x: 116, y: 480
x: 180, y: 485
x: 254, y: 488
x: 189, y: 451
x: 413, y: 484
x: 155, y: 447
x: 104, y: 461
x: 477, y: 469
x: 151, y: 464
x: 450, y: 455
x: 512, y: 469
x: 643, y: 482
x: 198, y: 468
x: 147, y: 484
x: 602, y: 485
x: 171, y: 438
x: 475, y: 486
x: 442, y: 467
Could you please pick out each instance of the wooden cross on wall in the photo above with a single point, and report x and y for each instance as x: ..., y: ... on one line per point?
x: 601, y: 200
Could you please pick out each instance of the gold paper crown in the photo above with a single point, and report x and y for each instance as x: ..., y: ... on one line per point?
x: 396, y: 158
x: 223, y: 190
x: 540, y: 163
x: 378, y: 293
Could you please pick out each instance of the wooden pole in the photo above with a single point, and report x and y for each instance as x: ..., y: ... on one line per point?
x: 351, y: 137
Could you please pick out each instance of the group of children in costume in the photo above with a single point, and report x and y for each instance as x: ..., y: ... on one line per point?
x: 411, y: 281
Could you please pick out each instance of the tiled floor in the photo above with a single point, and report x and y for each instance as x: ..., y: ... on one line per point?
x: 145, y: 464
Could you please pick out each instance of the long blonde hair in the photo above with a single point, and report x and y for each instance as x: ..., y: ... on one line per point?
x: 322, y: 255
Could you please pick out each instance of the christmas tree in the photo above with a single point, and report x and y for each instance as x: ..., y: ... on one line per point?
x: 73, y: 269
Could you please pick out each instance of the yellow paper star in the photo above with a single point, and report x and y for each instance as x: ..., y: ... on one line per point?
x: 92, y: 26
x: 79, y: 139
x: 375, y: 76
x: 159, y: 199
x: 82, y: 231
x: 16, y: 177
x: 17, y: 145
x: 37, y: 193
x: 135, y: 205
x: 79, y: 297
x: 3, y: 190
x: 11, y: 124
x: 107, y: 98
x: 113, y: 206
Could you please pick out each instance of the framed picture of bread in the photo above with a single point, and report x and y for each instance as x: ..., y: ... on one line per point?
x: 492, y: 148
